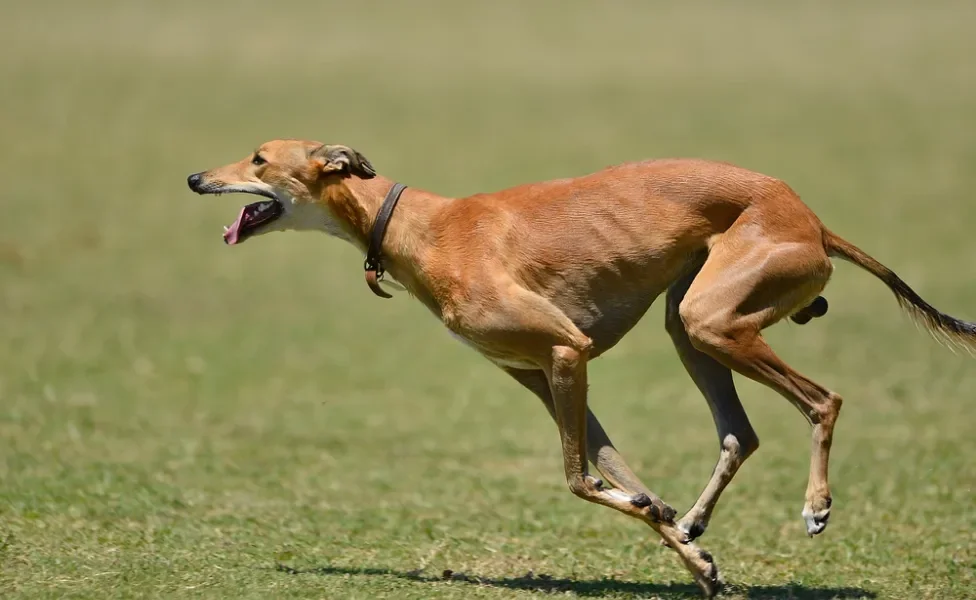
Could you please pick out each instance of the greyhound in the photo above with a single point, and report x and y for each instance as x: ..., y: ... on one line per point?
x: 545, y: 277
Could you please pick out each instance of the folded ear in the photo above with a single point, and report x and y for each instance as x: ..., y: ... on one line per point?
x: 343, y: 160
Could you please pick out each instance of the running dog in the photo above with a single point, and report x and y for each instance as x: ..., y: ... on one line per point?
x: 545, y: 277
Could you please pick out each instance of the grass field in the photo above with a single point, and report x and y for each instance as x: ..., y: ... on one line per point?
x: 183, y: 419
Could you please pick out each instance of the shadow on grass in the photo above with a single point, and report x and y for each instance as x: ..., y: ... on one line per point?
x: 598, y: 587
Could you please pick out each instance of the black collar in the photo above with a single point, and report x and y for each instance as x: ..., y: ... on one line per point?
x: 374, y: 254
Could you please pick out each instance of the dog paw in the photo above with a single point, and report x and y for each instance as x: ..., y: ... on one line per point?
x: 692, y: 528
x: 655, y: 508
x: 816, y: 520
x: 710, y: 581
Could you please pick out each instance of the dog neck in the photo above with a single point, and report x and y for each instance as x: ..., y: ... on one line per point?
x: 408, y: 232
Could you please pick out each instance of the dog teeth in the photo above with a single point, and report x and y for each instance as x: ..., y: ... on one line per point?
x: 226, y: 229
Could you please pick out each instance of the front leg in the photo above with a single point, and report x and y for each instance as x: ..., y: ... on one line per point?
x: 567, y: 380
x: 599, y: 448
x: 528, y: 328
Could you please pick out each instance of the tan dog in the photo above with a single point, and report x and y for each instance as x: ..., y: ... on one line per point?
x: 545, y: 277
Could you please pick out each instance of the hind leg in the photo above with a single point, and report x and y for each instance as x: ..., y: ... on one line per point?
x: 737, y: 439
x: 747, y: 284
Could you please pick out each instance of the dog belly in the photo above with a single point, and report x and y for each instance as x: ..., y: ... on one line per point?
x: 499, y: 359
x: 608, y: 321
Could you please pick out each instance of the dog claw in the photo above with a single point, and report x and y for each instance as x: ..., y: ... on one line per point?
x: 683, y: 541
x: 686, y: 539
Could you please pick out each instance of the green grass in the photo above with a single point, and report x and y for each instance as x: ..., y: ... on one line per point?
x: 178, y: 418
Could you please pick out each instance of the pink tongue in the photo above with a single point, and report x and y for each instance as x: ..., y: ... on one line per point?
x: 232, y: 233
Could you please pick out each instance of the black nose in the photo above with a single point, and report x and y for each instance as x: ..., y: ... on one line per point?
x: 194, y: 181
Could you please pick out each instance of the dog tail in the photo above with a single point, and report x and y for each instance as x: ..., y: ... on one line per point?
x: 953, y: 332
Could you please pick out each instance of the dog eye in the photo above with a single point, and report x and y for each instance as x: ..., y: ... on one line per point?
x: 257, y: 160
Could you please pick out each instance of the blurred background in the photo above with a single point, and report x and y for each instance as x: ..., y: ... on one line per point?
x: 178, y: 417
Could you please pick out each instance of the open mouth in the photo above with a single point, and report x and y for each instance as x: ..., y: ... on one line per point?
x: 252, y: 217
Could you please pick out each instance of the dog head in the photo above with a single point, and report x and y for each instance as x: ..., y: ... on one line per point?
x: 302, y: 184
